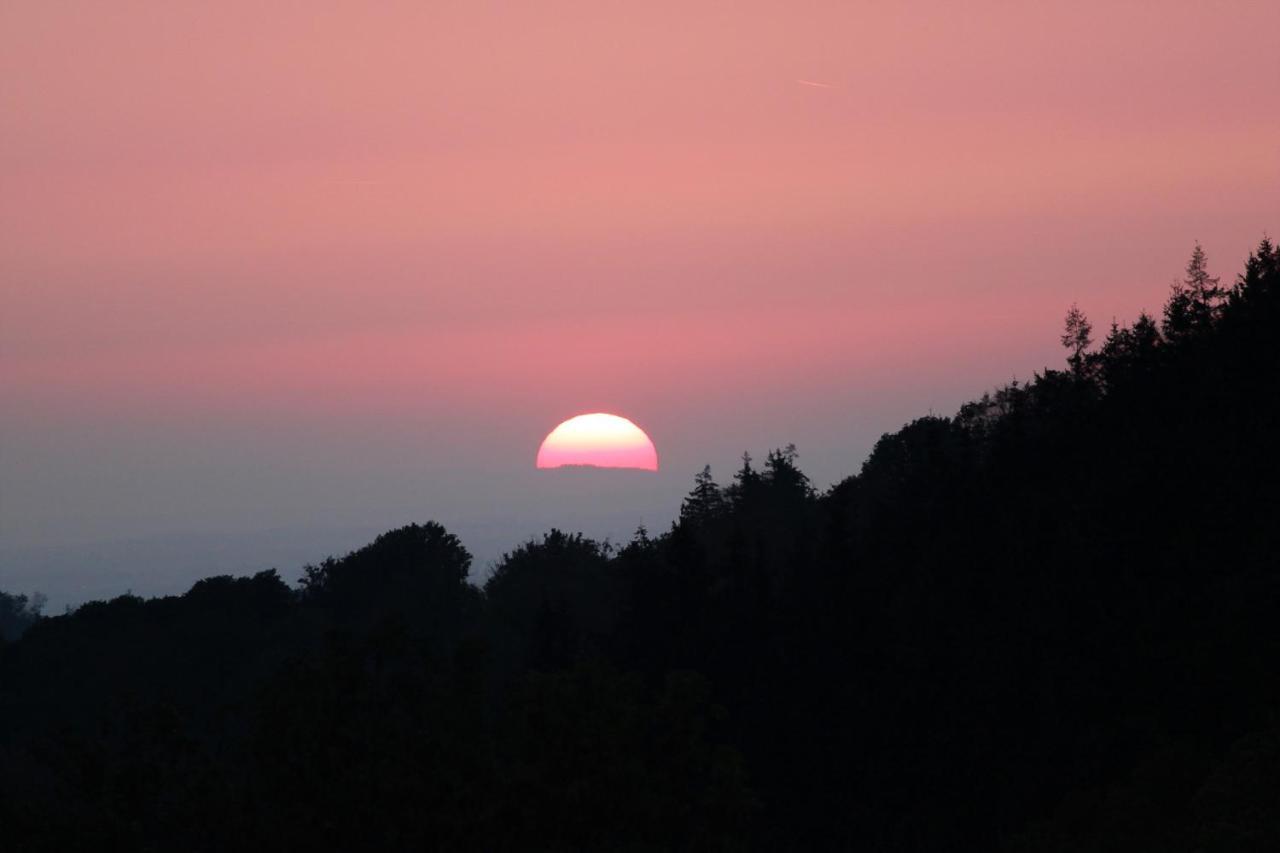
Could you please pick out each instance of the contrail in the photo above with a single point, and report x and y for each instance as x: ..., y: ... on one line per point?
x: 817, y: 84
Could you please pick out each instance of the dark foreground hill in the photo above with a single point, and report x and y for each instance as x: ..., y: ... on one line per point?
x: 1050, y: 623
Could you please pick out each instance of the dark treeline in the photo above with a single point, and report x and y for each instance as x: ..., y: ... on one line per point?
x: 1049, y: 623
x: 17, y: 614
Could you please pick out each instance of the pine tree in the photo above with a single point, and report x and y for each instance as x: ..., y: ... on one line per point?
x: 784, y: 476
x: 1076, y: 337
x: 1260, y: 281
x: 1205, y: 292
x: 746, y: 483
x: 1128, y: 349
x: 641, y: 536
x: 1194, y: 302
x: 1146, y: 334
x: 705, y: 501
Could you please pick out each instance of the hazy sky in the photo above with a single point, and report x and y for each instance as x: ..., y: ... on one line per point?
x: 314, y: 267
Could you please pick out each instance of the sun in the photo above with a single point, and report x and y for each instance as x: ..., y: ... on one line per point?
x: 600, y: 440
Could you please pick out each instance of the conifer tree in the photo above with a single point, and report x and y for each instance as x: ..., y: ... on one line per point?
x: 1194, y: 302
x: 746, y: 483
x: 784, y: 475
x: 705, y: 501
x: 1076, y: 337
x: 1260, y: 281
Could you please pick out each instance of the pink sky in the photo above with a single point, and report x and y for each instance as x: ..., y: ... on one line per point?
x: 252, y: 251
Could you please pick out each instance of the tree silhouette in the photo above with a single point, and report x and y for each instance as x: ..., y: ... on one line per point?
x: 1077, y: 337
x: 17, y: 614
x: 704, y: 502
x: 746, y: 483
x: 783, y: 475
x: 1195, y: 302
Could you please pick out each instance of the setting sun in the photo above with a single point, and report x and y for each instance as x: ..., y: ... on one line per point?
x: 599, y: 440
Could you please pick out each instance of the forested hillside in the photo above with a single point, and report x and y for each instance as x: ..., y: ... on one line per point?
x: 1048, y: 623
